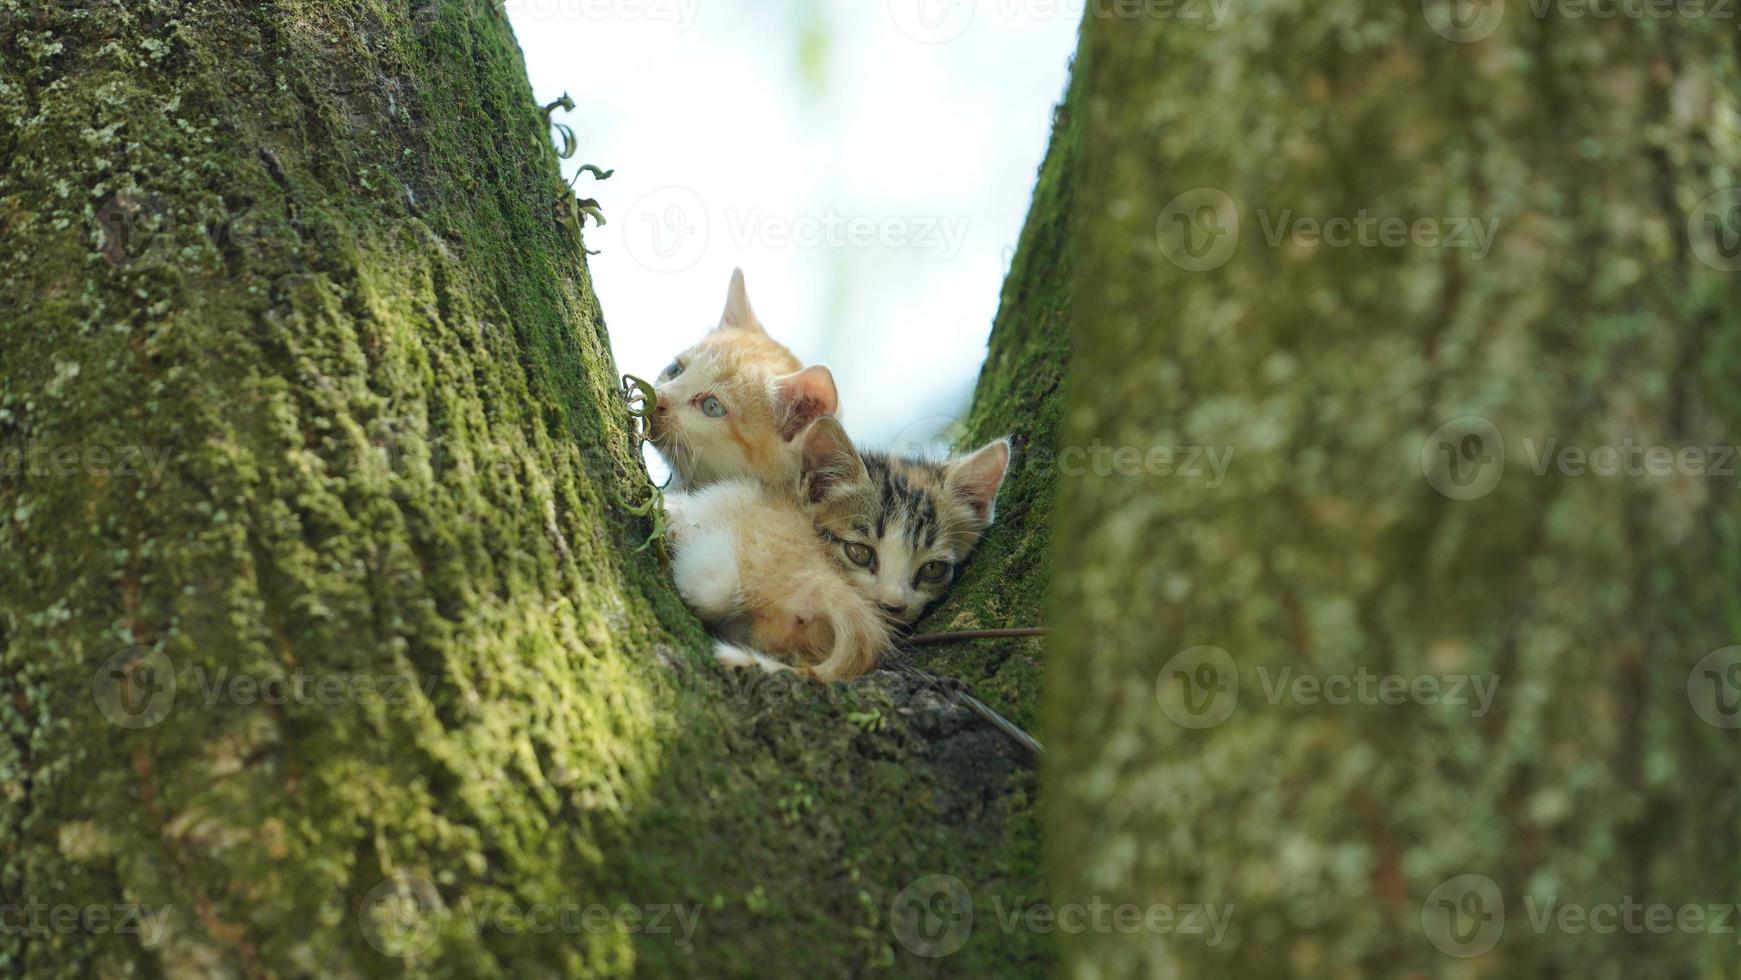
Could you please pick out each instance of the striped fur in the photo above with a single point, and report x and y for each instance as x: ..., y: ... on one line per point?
x: 916, y: 517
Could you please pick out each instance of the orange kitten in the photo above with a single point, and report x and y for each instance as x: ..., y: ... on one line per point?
x: 820, y: 574
x: 735, y: 404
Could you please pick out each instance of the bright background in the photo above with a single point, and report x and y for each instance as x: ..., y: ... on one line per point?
x: 868, y: 163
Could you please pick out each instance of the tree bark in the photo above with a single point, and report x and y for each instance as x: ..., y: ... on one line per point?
x: 327, y: 645
x: 1387, y: 403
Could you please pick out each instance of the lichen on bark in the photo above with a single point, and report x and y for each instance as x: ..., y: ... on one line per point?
x: 1329, y: 549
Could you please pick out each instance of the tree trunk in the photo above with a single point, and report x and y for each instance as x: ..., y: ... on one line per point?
x: 327, y: 645
x: 1386, y: 398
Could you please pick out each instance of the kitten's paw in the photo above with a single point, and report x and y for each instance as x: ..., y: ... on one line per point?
x: 736, y: 656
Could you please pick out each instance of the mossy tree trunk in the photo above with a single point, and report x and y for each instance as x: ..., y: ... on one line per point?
x: 1387, y: 396
x: 326, y: 645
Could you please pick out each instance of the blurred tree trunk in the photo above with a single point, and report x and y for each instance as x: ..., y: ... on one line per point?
x: 326, y: 644
x: 1386, y: 396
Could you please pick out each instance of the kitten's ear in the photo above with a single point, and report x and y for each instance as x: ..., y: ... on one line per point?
x: 737, y: 313
x: 976, y: 477
x: 829, y: 460
x: 804, y: 397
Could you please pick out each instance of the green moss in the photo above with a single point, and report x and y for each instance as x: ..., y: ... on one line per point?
x: 1327, y: 550
x: 307, y: 255
x: 1020, y: 395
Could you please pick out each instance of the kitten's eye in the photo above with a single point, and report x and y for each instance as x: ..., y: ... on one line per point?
x: 712, y: 407
x: 860, y: 554
x: 933, y: 571
x: 672, y: 370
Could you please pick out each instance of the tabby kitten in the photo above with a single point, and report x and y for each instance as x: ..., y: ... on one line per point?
x: 734, y: 404
x: 820, y: 574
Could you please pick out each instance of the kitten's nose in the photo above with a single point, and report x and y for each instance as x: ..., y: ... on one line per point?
x: 895, y: 608
x: 659, y: 405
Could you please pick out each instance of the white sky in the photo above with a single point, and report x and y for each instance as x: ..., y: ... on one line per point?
x: 868, y: 163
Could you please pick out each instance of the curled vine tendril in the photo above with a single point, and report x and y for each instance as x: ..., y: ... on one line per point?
x: 640, y: 398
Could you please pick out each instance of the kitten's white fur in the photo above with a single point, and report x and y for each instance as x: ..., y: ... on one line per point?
x: 732, y: 655
x: 747, y: 559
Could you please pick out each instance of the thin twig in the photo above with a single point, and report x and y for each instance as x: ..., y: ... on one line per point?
x: 958, y: 636
x: 957, y: 689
